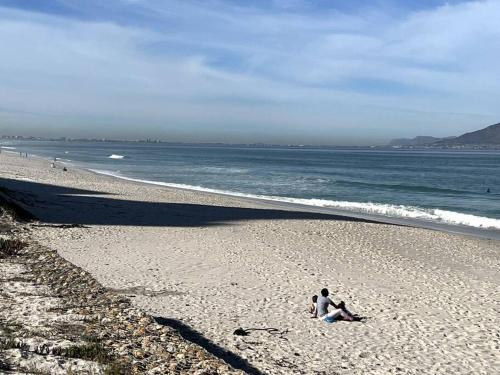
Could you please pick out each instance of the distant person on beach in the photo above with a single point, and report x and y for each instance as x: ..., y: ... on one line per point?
x: 313, y: 307
x: 339, y: 310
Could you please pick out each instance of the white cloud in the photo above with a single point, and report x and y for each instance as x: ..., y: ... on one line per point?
x: 237, y: 69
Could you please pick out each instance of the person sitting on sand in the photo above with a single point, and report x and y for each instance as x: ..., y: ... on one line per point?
x: 322, y: 308
x: 313, y: 310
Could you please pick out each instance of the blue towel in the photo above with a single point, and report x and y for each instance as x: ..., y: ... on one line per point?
x: 329, y: 319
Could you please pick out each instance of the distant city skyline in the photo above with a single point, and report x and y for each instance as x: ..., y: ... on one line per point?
x: 282, y: 71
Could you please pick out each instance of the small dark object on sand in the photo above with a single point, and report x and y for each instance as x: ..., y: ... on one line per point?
x: 65, y: 169
x: 272, y: 331
x: 240, y: 332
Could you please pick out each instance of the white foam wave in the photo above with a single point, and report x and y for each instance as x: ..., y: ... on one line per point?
x: 8, y: 148
x: 116, y: 156
x: 224, y: 170
x: 389, y: 210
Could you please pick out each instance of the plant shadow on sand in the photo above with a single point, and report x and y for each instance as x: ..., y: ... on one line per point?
x: 53, y: 204
x: 195, y: 337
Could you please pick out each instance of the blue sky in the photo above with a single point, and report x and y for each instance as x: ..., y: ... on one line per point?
x: 282, y: 71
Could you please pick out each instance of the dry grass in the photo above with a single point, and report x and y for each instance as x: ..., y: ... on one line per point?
x: 10, y: 247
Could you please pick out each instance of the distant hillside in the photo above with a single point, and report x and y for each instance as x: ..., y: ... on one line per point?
x: 421, y: 140
x: 486, y: 136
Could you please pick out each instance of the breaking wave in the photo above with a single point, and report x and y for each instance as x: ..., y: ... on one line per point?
x: 117, y: 156
x: 389, y: 210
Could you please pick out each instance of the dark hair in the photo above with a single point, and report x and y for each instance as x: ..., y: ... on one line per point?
x: 315, y: 298
x: 324, y: 292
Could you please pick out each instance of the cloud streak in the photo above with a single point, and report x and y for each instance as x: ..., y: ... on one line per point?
x: 215, y: 70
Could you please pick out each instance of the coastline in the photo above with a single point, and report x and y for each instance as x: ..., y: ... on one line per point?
x: 486, y: 233
x: 217, y: 263
x: 420, y: 217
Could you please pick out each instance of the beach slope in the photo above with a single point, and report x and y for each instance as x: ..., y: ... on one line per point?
x: 209, y: 264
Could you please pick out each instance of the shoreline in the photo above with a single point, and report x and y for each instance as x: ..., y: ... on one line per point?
x: 486, y: 233
x: 216, y: 263
x: 285, y: 202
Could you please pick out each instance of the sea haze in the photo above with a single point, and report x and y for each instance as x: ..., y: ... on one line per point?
x: 439, y: 187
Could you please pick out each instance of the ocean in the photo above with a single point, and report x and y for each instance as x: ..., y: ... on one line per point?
x: 440, y: 187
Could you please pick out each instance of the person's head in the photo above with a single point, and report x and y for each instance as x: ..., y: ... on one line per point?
x: 315, y: 298
x: 324, y: 292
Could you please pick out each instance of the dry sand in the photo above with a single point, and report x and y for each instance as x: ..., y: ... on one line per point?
x: 216, y: 263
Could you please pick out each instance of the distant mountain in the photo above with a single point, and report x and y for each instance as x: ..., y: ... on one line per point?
x: 486, y: 136
x: 421, y: 140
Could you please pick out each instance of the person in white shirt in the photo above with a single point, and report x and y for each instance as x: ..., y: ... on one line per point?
x: 324, y: 302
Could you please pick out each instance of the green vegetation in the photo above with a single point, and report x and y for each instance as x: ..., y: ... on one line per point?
x: 92, y: 351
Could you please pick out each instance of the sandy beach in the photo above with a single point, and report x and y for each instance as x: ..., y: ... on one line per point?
x: 211, y: 264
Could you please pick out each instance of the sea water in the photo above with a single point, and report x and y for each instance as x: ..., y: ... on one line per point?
x: 444, y: 187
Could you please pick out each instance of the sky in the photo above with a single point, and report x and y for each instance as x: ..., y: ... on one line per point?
x: 278, y: 71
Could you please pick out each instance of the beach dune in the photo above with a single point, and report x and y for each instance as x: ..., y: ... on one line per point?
x: 210, y: 264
